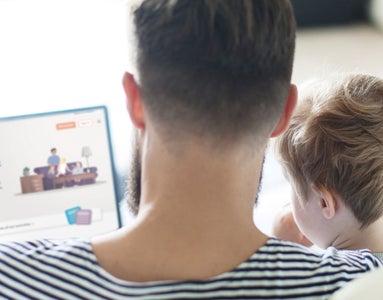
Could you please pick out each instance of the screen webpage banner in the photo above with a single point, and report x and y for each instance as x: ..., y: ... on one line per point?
x: 56, y: 176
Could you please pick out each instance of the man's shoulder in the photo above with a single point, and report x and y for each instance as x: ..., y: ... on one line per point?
x: 284, y: 252
x: 46, y: 269
x: 41, y: 251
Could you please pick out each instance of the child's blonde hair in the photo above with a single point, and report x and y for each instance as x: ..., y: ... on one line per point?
x: 335, y: 140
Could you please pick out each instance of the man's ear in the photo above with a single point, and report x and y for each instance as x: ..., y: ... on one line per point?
x: 328, y: 202
x: 133, y: 101
x: 284, y: 119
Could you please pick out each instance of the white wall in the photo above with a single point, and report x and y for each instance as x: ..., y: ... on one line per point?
x: 62, y: 54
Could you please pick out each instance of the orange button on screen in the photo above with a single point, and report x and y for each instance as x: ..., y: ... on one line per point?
x: 66, y: 125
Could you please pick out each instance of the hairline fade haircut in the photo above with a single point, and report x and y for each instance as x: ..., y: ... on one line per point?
x: 335, y: 140
x: 220, y: 68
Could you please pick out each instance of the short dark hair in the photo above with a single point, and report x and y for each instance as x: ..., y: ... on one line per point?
x: 216, y: 67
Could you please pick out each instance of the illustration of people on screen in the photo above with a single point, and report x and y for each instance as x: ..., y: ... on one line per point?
x: 63, y: 168
x: 77, y: 169
x: 53, y: 161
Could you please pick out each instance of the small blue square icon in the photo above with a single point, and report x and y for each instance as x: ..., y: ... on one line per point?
x: 71, y: 214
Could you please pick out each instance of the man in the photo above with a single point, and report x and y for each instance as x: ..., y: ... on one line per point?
x: 212, y: 85
x: 53, y: 161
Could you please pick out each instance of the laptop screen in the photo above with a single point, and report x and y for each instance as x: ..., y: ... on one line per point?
x: 56, y: 175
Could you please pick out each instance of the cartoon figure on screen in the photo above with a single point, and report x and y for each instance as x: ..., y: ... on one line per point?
x: 62, y: 167
x: 53, y: 161
x: 77, y: 169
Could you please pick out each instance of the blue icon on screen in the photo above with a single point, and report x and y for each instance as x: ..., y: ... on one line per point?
x: 71, y: 214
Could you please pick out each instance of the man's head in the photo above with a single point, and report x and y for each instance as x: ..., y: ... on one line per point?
x: 216, y: 69
x: 335, y: 143
x: 53, y: 151
x: 220, y: 68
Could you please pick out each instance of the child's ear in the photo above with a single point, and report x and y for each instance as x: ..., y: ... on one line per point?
x: 329, y: 203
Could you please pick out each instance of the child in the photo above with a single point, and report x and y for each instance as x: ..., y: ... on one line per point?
x: 62, y: 168
x: 332, y: 154
x: 77, y: 169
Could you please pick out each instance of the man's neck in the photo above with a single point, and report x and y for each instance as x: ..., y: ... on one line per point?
x: 195, y: 218
x: 196, y: 180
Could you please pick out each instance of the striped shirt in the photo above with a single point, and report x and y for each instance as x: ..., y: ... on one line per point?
x: 46, y: 269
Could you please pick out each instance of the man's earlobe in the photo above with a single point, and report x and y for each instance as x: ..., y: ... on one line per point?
x: 287, y: 113
x: 134, y: 101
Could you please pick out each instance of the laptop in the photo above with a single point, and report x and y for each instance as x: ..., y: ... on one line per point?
x: 57, y: 177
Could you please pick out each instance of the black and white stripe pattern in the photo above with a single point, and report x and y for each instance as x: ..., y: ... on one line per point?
x: 279, y: 270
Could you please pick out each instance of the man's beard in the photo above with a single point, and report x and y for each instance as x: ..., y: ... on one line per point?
x: 133, y: 189
x: 260, y: 181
